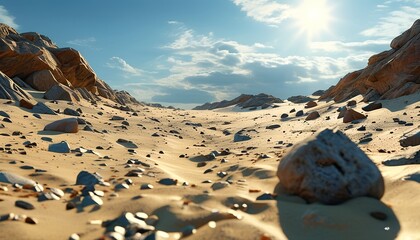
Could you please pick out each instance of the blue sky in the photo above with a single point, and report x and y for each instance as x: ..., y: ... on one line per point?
x: 187, y: 52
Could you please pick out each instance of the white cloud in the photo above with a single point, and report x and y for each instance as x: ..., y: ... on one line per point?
x: 84, y: 42
x: 266, y: 11
x: 394, y: 23
x: 121, y: 64
x: 335, y: 46
x: 173, y: 22
x: 6, y: 18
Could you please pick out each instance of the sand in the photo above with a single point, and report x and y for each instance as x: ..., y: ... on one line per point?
x: 197, y: 204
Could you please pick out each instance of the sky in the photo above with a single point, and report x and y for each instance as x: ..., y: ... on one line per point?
x: 187, y: 52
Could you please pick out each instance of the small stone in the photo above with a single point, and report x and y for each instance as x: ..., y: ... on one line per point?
x: 74, y: 236
x: 266, y: 196
x: 31, y: 220
x: 188, y: 230
x: 219, y: 185
x: 168, y: 181
x: 24, y: 205
x: 146, y: 186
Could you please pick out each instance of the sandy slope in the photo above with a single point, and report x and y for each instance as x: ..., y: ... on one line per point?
x: 287, y: 217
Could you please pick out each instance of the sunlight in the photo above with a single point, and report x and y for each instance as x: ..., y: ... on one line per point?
x: 313, y: 17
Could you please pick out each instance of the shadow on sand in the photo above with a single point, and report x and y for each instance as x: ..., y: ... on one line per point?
x: 349, y: 220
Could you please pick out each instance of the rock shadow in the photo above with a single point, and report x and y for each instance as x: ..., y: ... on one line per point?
x: 359, y: 218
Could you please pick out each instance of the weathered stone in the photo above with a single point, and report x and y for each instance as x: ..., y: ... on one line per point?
x: 299, y: 113
x: 15, y: 179
x: 71, y: 112
x: 312, y: 116
x: 61, y: 92
x: 372, y: 106
x: 351, y: 115
x: 62, y: 147
x: 10, y: 90
x: 42, y: 80
x: 24, y: 205
x: 86, y: 178
x: 26, y: 104
x: 42, y: 109
x: 241, y: 136
x: 410, y: 140
x: 219, y: 185
x: 311, y: 104
x: 67, y: 125
x: 329, y: 168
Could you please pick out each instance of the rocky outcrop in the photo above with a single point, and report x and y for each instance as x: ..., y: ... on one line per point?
x: 389, y: 74
x: 36, y: 60
x: 329, y: 168
x: 10, y: 90
x: 299, y: 99
x: 61, y: 92
x: 124, y: 98
x: 244, y: 101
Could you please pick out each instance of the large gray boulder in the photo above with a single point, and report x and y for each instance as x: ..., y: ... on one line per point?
x: 61, y: 147
x: 61, y: 92
x: 42, y: 80
x: 329, y: 168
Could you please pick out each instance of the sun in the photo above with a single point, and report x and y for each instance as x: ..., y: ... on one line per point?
x: 313, y: 17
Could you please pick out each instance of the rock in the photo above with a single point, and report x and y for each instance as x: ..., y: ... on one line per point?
x: 219, y: 185
x: 42, y: 80
x: 168, y: 181
x: 299, y: 113
x: 274, y: 126
x: 67, y: 125
x: 15, y: 179
x: 299, y: 99
x: 71, y: 112
x: 241, y: 136
x: 410, y: 140
x: 88, y: 179
x: 388, y: 75
x: 4, y: 114
x: 62, y: 147
x: 61, y: 92
x: 10, y: 90
x: 31, y: 220
x: 284, y: 116
x: 343, y: 111
x: 351, y: 103
x: 311, y: 104
x: 266, y: 196
x: 372, y: 106
x: 243, y: 101
x: 24, y: 205
x: 91, y: 199
x: 312, y: 116
x: 329, y: 168
x: 25, y: 104
x: 318, y: 93
x: 42, y: 109
x: 126, y: 220
x: 21, y: 83
x: 74, y: 236
x: 117, y: 118
x: 351, y: 115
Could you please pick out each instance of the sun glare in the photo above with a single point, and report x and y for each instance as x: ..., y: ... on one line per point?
x: 313, y: 17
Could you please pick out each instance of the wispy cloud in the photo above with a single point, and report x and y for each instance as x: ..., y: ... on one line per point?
x: 336, y: 46
x: 7, y: 18
x: 266, y: 11
x: 394, y: 23
x: 82, y: 42
x: 127, y: 69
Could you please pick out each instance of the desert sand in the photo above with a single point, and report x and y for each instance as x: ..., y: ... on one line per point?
x: 192, y: 208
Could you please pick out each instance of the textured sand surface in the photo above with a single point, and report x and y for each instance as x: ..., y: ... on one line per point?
x: 178, y: 206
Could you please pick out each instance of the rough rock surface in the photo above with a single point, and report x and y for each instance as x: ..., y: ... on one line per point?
x: 312, y: 116
x: 351, y: 115
x: 38, y: 61
x: 389, y: 74
x: 410, y: 140
x: 299, y: 99
x: 244, y: 101
x: 62, y: 147
x: 67, y: 125
x: 61, y: 92
x: 10, y: 90
x: 329, y: 168
x: 12, y: 178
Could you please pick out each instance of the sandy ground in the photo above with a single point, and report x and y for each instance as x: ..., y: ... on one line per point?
x: 196, y: 204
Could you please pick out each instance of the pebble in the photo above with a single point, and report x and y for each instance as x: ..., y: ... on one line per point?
x: 146, y: 186
x: 168, y: 181
x: 31, y: 220
x: 24, y: 205
x: 74, y: 236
